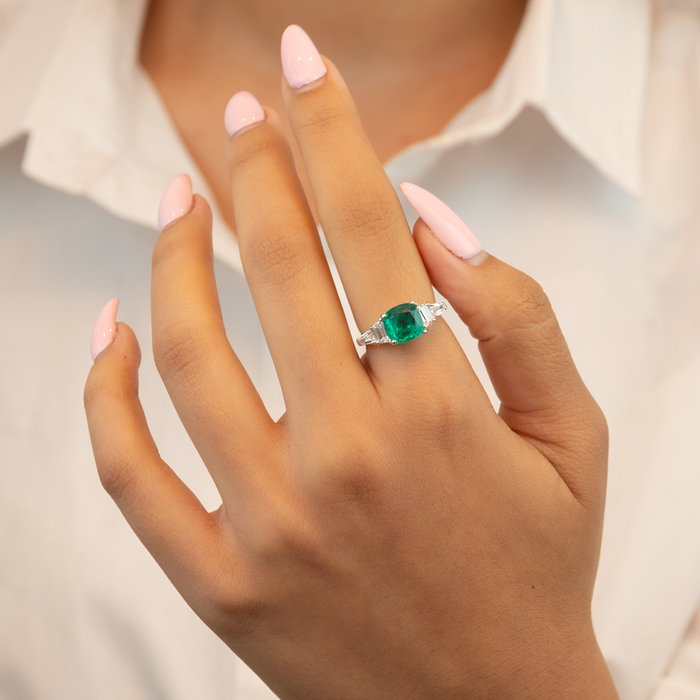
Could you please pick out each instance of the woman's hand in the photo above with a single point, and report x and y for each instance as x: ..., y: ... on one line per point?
x: 391, y: 536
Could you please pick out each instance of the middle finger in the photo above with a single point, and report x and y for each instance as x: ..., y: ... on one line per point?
x: 285, y: 266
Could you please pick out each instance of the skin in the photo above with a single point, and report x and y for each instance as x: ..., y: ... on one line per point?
x: 409, y: 71
x: 386, y: 538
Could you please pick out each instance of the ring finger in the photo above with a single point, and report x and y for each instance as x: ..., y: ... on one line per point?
x: 359, y: 211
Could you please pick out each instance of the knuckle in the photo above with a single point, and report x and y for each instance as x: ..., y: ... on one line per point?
x: 442, y: 417
x: 248, y: 150
x: 278, y: 257
x: 233, y: 605
x: 527, y: 309
x: 440, y: 420
x: 117, y: 472
x: 179, y: 350
x: 359, y: 483
x: 237, y: 617
x: 289, y: 537
x: 368, y: 214
x: 95, y: 389
x: 350, y: 469
x: 529, y: 303
x: 323, y: 122
x: 102, y: 392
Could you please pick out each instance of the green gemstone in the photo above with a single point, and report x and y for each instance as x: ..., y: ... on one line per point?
x: 403, y: 323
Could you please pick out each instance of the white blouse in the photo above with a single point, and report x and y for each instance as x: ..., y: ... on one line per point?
x: 580, y: 166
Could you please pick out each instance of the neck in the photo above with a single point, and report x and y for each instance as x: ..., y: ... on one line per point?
x: 356, y: 34
x: 410, y: 65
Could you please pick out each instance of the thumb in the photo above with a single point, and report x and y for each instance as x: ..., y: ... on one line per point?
x: 543, y: 397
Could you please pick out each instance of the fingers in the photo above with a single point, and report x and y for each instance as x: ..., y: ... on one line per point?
x: 285, y: 265
x: 543, y: 397
x: 163, y: 512
x: 359, y: 211
x: 210, y: 389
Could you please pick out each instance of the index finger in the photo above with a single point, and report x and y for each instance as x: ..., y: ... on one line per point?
x: 165, y: 515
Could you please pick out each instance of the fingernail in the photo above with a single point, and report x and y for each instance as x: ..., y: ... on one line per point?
x: 242, y: 110
x: 176, y: 201
x: 105, y: 329
x: 449, y: 229
x: 301, y: 61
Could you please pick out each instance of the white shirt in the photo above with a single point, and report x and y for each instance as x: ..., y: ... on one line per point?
x: 580, y: 165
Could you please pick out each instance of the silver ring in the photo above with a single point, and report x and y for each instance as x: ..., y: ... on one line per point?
x: 402, y: 323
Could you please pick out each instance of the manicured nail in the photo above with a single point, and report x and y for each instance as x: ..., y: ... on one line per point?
x: 301, y: 61
x: 176, y: 201
x: 105, y: 329
x: 449, y: 229
x: 242, y: 110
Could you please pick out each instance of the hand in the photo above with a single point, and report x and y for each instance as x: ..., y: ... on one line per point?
x: 391, y: 536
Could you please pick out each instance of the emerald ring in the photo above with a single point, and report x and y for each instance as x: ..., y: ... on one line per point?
x: 402, y: 323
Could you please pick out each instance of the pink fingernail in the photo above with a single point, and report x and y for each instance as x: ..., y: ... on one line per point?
x: 301, y: 61
x: 242, y: 110
x: 105, y: 329
x: 176, y: 201
x: 449, y: 229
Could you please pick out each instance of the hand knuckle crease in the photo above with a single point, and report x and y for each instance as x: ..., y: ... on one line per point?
x: 527, y: 309
x: 279, y: 258
x: 322, y: 121
x: 179, y: 351
x: 248, y: 151
x: 117, y: 475
x: 366, y: 216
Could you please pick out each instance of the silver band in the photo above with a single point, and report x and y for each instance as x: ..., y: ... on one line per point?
x: 377, y: 334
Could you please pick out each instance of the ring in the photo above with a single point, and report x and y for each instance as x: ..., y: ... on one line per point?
x: 402, y: 323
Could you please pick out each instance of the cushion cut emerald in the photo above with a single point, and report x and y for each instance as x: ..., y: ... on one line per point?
x: 403, y: 323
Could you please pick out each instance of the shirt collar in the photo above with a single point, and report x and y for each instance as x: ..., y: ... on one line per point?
x: 98, y: 128
x: 584, y: 64
x: 96, y: 124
